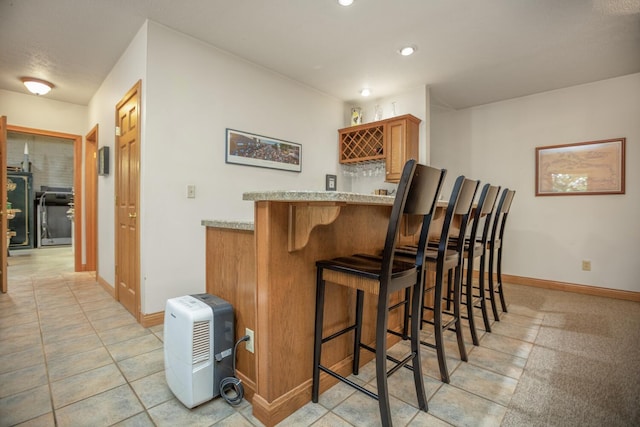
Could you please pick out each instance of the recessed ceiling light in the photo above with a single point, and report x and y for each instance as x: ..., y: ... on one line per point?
x: 365, y: 92
x: 345, y: 2
x: 37, y: 86
x: 407, y: 50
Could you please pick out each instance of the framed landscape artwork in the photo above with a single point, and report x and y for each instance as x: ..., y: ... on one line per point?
x: 585, y: 168
x: 249, y: 149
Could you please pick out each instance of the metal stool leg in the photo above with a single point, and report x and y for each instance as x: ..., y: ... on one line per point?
x: 381, y: 360
x: 416, y: 308
x: 470, y: 305
x: 500, y: 290
x: 492, y: 291
x: 437, y: 330
x: 457, y: 291
x: 482, y: 293
x: 358, y: 332
x: 317, y: 341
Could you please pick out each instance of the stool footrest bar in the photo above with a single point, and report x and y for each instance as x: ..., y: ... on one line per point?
x: 349, y: 382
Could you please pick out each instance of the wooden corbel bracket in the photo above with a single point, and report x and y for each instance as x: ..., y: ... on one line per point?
x: 304, y: 217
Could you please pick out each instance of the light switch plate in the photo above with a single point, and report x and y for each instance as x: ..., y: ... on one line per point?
x: 191, y: 191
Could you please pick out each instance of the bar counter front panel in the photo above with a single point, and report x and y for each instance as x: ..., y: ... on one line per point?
x: 269, y: 278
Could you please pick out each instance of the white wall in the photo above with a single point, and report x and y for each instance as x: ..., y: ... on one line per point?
x: 130, y: 68
x: 41, y: 113
x: 193, y: 93
x: 548, y: 237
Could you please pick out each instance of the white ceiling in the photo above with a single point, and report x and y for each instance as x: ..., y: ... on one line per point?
x: 470, y: 52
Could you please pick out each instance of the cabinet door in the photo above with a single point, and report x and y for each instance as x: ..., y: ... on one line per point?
x: 395, y: 149
x: 400, y: 145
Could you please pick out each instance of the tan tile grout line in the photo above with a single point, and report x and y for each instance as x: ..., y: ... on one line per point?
x: 483, y: 368
x: 115, y: 362
x: 470, y: 350
x: 46, y: 360
x: 49, y: 381
x: 44, y: 354
x: 80, y: 304
x: 67, y: 285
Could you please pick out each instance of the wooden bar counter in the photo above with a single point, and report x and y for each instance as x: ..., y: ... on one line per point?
x: 266, y: 270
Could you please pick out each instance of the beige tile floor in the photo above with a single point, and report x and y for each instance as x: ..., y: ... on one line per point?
x: 72, y: 356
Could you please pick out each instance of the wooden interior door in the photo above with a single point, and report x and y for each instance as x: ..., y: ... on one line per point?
x: 4, y: 274
x: 127, y: 169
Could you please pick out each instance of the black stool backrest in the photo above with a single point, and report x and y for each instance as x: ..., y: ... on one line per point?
x: 484, y: 211
x: 460, y: 202
x: 500, y: 217
x: 424, y: 191
x: 417, y: 194
x: 423, y: 198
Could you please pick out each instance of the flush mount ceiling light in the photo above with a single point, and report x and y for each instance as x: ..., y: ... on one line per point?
x: 345, y: 2
x: 37, y: 86
x: 407, y: 50
x: 365, y: 92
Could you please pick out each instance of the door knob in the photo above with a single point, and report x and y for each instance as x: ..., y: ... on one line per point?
x: 133, y: 215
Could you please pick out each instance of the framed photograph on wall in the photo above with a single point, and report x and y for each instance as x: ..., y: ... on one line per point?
x: 585, y: 168
x: 249, y: 149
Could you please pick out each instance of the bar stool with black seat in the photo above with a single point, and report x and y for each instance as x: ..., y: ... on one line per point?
x: 447, y: 258
x: 417, y: 194
x: 494, y: 247
x: 474, y: 247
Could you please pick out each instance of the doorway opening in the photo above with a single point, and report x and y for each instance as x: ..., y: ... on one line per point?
x: 45, y: 168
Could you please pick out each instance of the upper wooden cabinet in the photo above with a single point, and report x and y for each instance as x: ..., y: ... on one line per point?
x: 393, y: 140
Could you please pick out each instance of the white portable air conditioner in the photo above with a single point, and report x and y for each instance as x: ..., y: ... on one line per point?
x: 198, y: 346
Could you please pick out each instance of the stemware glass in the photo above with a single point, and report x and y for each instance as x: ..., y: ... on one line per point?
x: 377, y: 113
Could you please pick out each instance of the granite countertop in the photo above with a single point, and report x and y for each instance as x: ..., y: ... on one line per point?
x: 317, y: 196
x: 298, y: 196
x: 233, y: 225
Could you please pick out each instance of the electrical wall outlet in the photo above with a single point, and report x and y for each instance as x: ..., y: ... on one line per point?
x: 586, y: 265
x: 249, y: 344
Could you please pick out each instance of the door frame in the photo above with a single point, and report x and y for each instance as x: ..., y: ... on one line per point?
x: 77, y: 183
x: 4, y: 262
x: 91, y: 200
